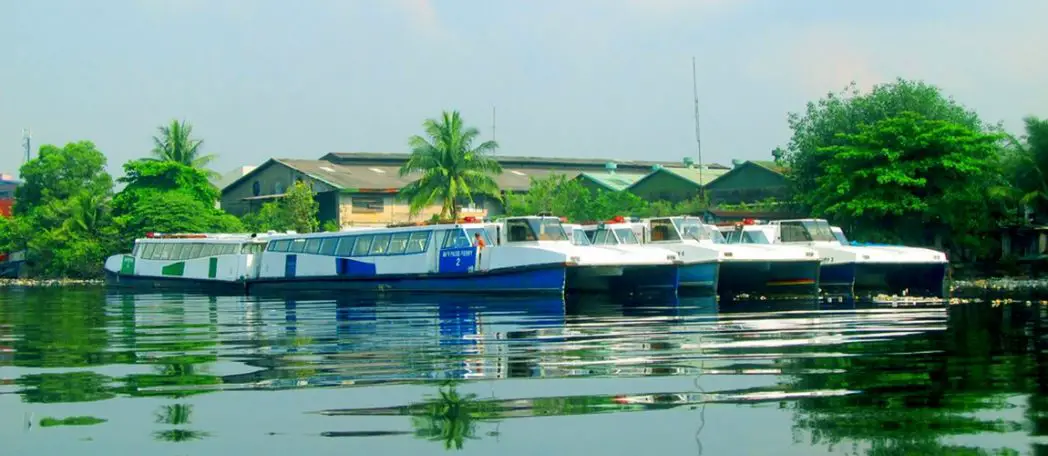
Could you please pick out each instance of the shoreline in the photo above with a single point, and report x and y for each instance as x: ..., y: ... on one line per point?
x: 50, y: 283
x: 986, y: 288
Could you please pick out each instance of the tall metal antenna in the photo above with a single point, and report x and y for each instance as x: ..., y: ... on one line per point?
x: 27, y: 143
x: 493, y: 123
x: 698, y: 137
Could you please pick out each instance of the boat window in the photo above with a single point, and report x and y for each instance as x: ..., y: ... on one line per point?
x: 548, y: 229
x: 313, y: 246
x: 472, y: 232
x: 518, y: 230
x: 147, y: 251
x: 345, y: 246
x: 806, y: 231
x: 279, y: 246
x: 328, y: 246
x: 195, y: 251
x: 230, y: 249
x: 362, y: 246
x: 398, y: 243
x: 419, y: 242
x: 578, y: 237
x: 693, y: 229
x: 840, y: 237
x: 136, y: 249
x: 600, y: 237
x: 297, y: 246
x: 456, y: 239
x: 662, y: 230
x: 755, y: 237
x: 626, y: 236
x: 380, y: 244
x: 165, y: 251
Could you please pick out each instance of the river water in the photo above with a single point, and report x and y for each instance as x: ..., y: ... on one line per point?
x: 178, y: 374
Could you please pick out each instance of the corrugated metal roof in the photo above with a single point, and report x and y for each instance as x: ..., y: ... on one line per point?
x: 769, y: 165
x: 693, y: 174
x: 395, y: 159
x: 615, y: 182
x: 368, y: 179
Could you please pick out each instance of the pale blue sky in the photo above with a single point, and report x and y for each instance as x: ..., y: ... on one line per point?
x: 583, y: 78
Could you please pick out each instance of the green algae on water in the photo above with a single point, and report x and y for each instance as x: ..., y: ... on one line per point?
x: 71, y: 421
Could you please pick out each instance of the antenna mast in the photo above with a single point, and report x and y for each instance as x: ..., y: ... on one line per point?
x: 493, y: 123
x: 698, y: 137
x: 27, y: 143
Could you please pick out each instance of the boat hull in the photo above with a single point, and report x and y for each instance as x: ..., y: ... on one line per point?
x: 136, y: 282
x: 631, y: 278
x: 535, y: 279
x: 912, y: 279
x: 793, y: 278
x: 700, y: 275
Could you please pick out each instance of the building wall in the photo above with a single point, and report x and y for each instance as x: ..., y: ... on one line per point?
x: 748, y: 184
x: 664, y: 186
x: 358, y: 209
x: 274, y: 179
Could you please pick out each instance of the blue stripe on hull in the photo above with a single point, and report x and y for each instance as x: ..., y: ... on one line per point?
x: 699, y: 275
x: 538, y: 280
x: 837, y: 275
x: 663, y: 277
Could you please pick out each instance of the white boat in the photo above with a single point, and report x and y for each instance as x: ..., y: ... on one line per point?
x: 188, y: 261
x: 892, y: 269
x: 699, y: 265
x: 744, y: 267
x: 642, y: 262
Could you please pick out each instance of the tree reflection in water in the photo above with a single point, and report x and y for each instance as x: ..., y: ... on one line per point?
x: 450, y: 417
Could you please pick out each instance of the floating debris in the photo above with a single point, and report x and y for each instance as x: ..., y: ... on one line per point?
x: 38, y: 283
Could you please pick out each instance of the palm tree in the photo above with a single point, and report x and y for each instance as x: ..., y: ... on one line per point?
x: 451, y: 168
x: 175, y: 143
x: 1029, y: 164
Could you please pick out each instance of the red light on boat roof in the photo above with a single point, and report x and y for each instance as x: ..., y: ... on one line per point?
x: 748, y: 221
x: 563, y: 220
x: 617, y: 219
x: 150, y: 234
x: 469, y: 219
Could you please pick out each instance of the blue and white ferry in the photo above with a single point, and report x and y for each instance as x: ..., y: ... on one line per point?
x: 699, y: 265
x: 743, y: 268
x: 860, y: 268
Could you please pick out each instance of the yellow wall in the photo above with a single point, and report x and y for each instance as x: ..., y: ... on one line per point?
x: 393, y: 211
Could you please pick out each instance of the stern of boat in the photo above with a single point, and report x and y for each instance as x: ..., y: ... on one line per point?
x: 909, y: 279
x: 770, y: 278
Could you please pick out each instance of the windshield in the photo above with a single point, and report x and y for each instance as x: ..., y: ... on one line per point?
x: 535, y: 229
x: 745, y: 237
x: 578, y: 237
x: 840, y: 236
x: 807, y: 231
x: 626, y: 236
x: 693, y: 229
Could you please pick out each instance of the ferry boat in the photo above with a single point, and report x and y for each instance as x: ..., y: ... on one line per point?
x: 516, y: 254
x: 743, y: 267
x: 862, y: 268
x: 699, y: 271
x: 188, y: 261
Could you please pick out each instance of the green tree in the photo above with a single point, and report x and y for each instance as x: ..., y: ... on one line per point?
x: 908, y: 176
x: 452, y: 169
x: 168, y: 197
x: 829, y: 121
x: 1026, y: 165
x: 297, y: 210
x: 175, y: 143
x: 62, y: 216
